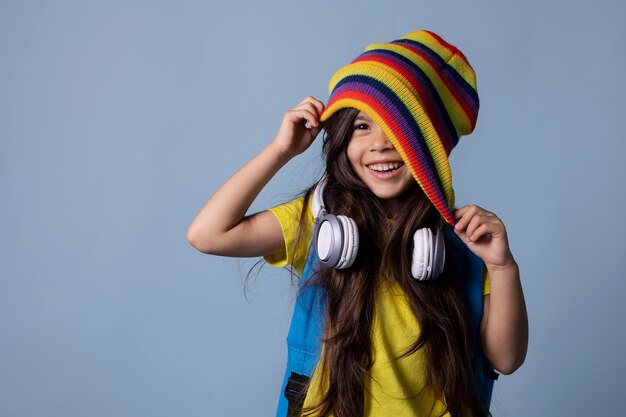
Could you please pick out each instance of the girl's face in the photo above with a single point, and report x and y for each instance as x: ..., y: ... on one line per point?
x: 376, y: 161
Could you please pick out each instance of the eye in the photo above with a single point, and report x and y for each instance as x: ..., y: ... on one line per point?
x: 361, y: 126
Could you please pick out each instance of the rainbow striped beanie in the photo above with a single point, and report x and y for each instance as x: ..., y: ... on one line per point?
x: 422, y: 92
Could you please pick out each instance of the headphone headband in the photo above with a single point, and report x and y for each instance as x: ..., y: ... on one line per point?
x: 318, y: 198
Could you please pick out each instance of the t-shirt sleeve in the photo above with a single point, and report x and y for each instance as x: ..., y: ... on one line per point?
x: 486, y: 282
x: 296, y: 248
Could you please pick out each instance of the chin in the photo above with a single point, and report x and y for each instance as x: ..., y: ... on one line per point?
x: 386, y: 189
x: 388, y: 194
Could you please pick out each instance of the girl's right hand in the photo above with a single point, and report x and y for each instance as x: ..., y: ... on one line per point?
x: 299, y: 127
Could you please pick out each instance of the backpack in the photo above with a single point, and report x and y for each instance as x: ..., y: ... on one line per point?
x: 304, y: 340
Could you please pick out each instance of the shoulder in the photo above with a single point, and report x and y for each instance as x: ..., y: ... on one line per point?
x: 297, y: 223
x: 294, y: 210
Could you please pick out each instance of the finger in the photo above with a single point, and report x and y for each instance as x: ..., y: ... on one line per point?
x: 319, y: 106
x: 463, y: 215
x: 309, y: 106
x: 312, y: 101
x: 298, y: 116
x: 485, y: 229
x: 461, y: 211
x: 475, y: 222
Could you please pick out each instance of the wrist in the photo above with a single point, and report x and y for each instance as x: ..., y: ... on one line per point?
x: 280, y: 153
x: 508, y: 265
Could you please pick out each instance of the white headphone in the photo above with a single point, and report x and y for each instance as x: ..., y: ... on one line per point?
x: 337, y: 241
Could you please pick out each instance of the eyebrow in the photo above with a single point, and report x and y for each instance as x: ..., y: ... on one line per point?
x: 363, y: 117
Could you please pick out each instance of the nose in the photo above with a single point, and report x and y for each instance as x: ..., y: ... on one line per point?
x: 380, y: 141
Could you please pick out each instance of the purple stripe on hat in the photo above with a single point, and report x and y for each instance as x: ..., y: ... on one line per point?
x: 415, y: 139
x: 423, y: 49
x: 451, y: 74
x: 441, y: 114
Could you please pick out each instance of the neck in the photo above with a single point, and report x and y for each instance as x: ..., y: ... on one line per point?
x: 391, y: 206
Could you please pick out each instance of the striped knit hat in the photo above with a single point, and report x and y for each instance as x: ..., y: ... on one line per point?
x: 421, y: 91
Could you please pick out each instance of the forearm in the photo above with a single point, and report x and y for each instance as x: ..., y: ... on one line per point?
x: 221, y: 227
x: 228, y: 206
x: 505, y: 328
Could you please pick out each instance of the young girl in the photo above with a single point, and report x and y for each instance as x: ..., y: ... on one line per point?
x: 418, y: 297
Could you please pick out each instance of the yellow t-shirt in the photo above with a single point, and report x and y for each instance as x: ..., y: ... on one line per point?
x: 394, y: 387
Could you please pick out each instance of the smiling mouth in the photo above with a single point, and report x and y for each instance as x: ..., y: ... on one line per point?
x: 385, y: 166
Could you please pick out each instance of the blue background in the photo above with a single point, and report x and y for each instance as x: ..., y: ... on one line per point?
x: 118, y: 120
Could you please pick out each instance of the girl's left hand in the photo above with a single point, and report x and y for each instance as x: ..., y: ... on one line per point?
x: 485, y: 235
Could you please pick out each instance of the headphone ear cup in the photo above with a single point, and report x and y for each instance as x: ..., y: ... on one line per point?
x: 324, y: 241
x: 429, y: 254
x: 421, y: 252
x: 350, y: 245
x: 337, y: 237
x: 337, y: 241
x: 329, y: 240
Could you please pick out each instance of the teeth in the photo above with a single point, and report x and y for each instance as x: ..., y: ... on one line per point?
x: 388, y: 166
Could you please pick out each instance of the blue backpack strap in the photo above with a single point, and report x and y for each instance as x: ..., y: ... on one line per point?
x: 304, y: 341
x: 470, y: 271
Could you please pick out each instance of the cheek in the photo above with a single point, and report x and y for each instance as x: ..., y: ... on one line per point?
x: 354, y: 155
x: 408, y: 179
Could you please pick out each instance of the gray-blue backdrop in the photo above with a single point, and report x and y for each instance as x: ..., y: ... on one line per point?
x: 118, y: 119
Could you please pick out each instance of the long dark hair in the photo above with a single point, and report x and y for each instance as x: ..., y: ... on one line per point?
x: 350, y: 293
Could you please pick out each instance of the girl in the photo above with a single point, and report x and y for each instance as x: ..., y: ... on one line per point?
x: 391, y: 344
